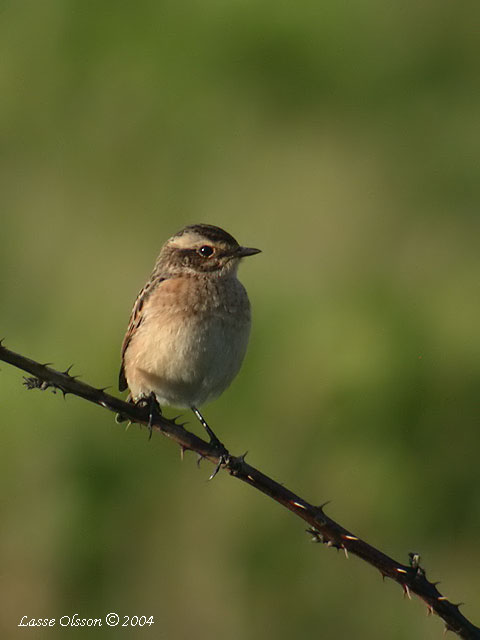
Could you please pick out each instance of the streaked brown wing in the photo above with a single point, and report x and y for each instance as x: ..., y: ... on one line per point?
x: 135, y: 321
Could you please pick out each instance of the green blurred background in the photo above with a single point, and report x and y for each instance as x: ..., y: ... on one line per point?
x: 343, y: 139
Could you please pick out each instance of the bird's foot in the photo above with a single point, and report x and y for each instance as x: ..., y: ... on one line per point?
x: 154, y: 409
x: 223, y: 452
x: 222, y: 462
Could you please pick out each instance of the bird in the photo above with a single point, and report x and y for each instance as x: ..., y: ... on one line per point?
x: 190, y: 324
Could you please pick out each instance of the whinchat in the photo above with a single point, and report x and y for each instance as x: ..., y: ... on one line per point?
x: 190, y: 324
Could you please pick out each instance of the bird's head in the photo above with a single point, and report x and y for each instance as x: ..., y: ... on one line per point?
x: 203, y: 249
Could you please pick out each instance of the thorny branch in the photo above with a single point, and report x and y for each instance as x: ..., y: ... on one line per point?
x: 411, y: 577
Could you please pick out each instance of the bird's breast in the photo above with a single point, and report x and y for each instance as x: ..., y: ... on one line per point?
x: 191, y: 342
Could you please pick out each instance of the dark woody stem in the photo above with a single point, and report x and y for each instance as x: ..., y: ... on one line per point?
x: 411, y: 577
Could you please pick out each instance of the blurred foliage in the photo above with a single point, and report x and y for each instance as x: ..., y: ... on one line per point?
x: 342, y: 138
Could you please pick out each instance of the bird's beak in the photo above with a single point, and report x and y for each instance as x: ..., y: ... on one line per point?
x: 243, y: 252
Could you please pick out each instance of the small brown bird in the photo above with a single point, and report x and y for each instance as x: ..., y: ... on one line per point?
x: 190, y: 324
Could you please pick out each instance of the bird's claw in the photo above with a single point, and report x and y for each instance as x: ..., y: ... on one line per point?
x: 154, y: 410
x: 222, y: 462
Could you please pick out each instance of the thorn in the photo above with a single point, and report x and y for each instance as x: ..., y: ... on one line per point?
x: 324, y: 504
x: 346, y: 552
x: 67, y: 370
x: 46, y: 364
x: 243, y: 456
x: 182, y: 451
x: 199, y: 459
x: 384, y: 575
x: 181, y: 425
x: 406, y: 591
x: 103, y: 389
x: 429, y: 610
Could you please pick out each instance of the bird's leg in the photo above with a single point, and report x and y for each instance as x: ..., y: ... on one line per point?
x: 214, y: 441
x: 154, y: 411
x: 213, y: 438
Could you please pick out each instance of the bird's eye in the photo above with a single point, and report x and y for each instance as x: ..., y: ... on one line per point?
x: 206, y: 251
